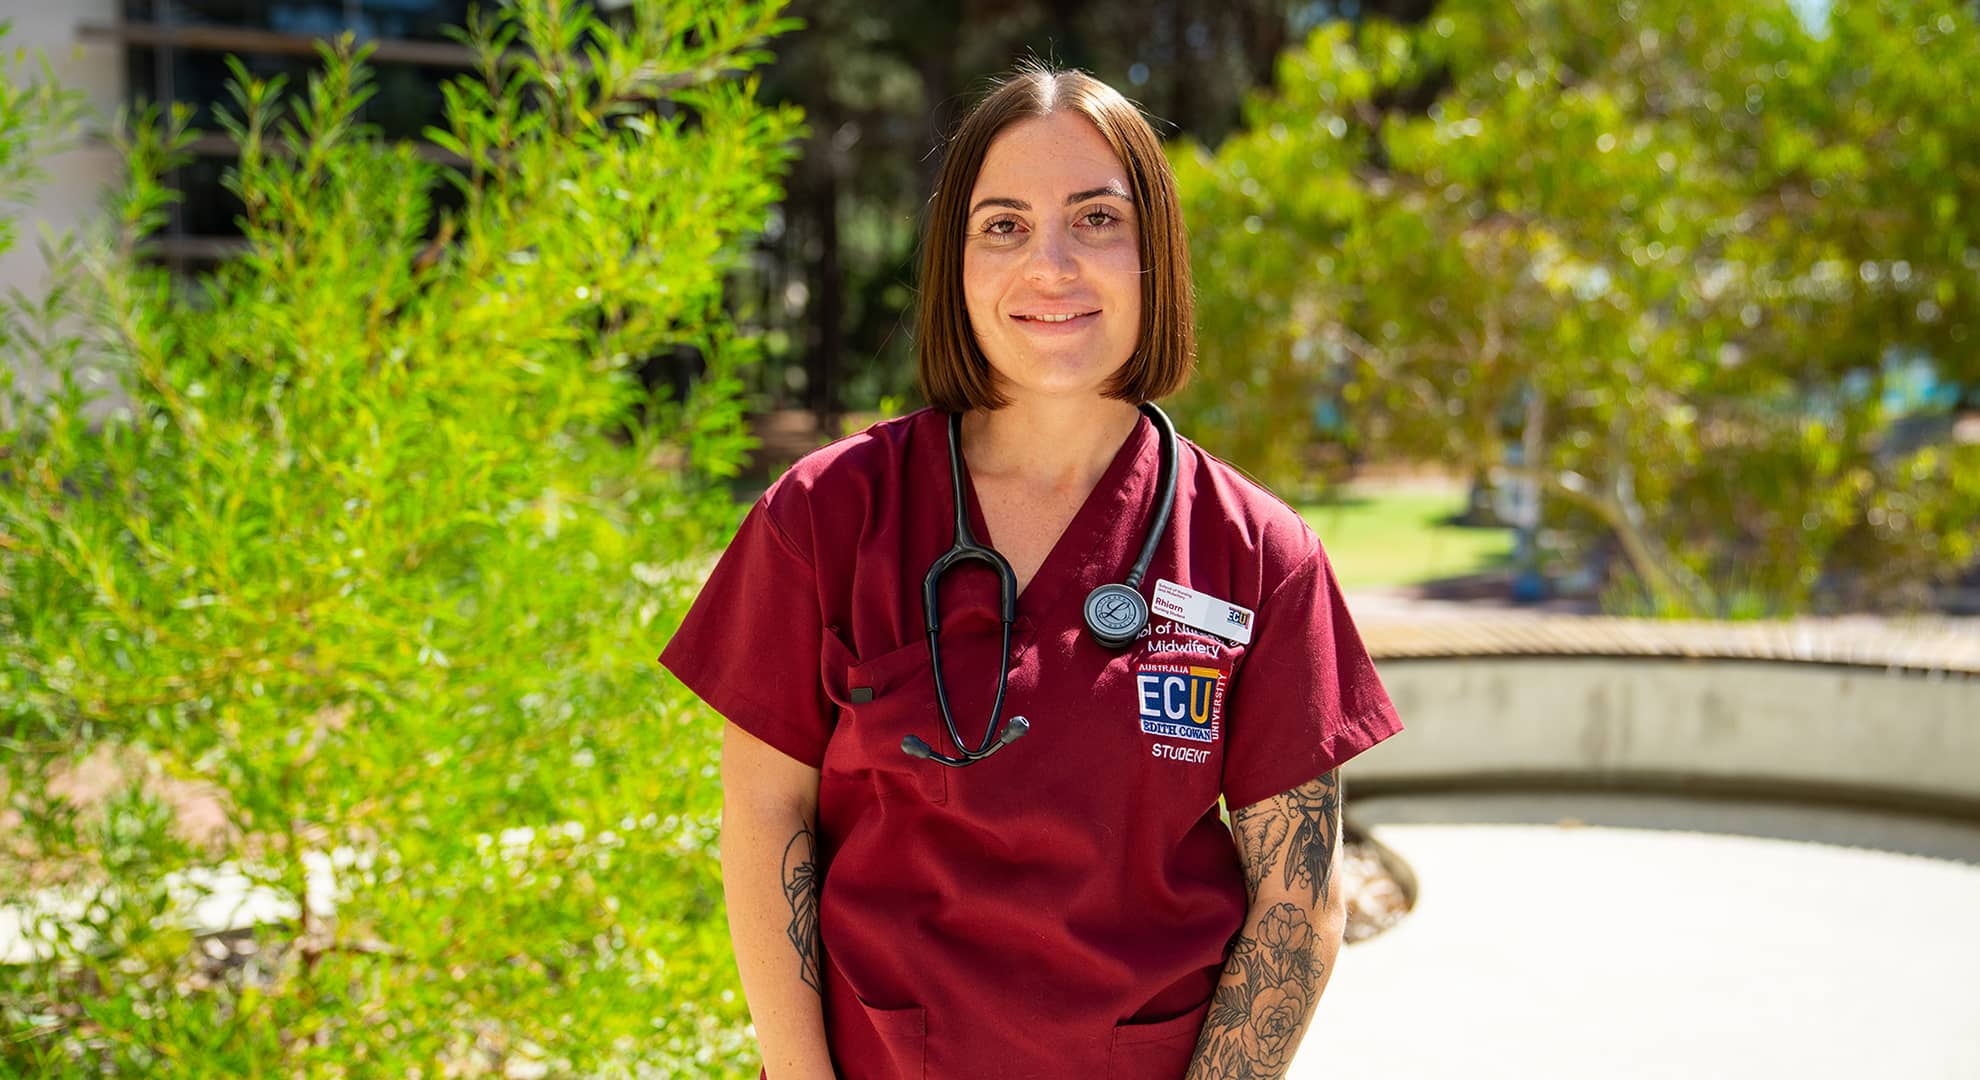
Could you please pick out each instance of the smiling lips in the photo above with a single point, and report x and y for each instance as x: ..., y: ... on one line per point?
x: 1055, y: 317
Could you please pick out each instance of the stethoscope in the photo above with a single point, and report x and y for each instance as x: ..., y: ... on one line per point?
x: 1115, y: 613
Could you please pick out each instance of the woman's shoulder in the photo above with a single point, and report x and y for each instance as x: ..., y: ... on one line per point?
x: 842, y: 479
x: 1254, y: 519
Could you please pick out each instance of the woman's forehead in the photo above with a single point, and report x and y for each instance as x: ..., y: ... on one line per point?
x: 1051, y: 157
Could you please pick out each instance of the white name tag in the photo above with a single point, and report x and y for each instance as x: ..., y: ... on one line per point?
x: 1202, y: 611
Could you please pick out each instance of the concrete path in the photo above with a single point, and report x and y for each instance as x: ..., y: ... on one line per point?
x: 1540, y: 951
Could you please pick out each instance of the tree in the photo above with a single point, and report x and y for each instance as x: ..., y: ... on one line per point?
x: 377, y: 559
x: 1678, y: 246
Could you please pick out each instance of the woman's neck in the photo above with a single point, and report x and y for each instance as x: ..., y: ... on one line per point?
x: 1051, y: 444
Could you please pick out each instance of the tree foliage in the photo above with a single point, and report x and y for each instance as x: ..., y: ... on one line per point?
x: 375, y: 552
x: 1678, y: 249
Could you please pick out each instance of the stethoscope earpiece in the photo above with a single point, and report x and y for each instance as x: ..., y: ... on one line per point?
x: 1115, y: 612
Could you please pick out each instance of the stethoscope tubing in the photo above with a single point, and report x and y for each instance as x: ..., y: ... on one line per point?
x: 966, y: 548
x: 1165, y: 496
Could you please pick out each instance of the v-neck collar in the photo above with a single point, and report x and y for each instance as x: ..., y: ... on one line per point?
x: 1099, y: 543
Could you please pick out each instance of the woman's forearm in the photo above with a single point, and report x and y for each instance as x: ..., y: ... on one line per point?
x: 770, y: 880
x: 1272, y: 981
x: 1283, y: 955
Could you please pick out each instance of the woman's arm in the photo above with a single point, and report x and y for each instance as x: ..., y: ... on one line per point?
x: 1282, y: 957
x: 770, y: 877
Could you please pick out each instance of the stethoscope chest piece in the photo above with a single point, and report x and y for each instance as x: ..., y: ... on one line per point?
x: 1115, y: 614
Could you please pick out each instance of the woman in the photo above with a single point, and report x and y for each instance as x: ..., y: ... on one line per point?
x: 920, y: 883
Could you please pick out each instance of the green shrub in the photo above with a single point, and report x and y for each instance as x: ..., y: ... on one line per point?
x: 372, y: 554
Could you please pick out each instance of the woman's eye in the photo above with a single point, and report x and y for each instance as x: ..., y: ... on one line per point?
x: 1098, y: 219
x: 996, y: 228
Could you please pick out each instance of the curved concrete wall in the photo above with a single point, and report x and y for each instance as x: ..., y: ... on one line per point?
x: 1861, y: 732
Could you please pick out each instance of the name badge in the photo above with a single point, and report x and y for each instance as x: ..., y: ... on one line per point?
x: 1202, y: 611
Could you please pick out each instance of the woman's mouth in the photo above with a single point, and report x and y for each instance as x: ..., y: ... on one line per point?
x: 1066, y: 319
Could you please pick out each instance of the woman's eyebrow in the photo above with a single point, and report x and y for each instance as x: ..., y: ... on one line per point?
x: 1110, y: 188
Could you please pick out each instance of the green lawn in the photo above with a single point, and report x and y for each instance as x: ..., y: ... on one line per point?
x: 1399, y: 537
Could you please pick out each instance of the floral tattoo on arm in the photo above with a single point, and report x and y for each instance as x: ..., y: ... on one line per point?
x: 1272, y: 976
x: 1257, y: 1017
x: 800, y: 879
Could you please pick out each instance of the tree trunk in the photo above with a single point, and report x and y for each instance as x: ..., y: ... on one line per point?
x: 828, y: 299
x: 1673, y: 586
x: 812, y: 251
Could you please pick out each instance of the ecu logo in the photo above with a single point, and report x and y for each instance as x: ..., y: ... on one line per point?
x: 1179, y: 701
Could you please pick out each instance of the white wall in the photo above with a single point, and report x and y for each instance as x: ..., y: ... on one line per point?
x: 1808, y: 726
x: 75, y: 182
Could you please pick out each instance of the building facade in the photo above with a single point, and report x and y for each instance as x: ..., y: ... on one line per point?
x: 125, y: 52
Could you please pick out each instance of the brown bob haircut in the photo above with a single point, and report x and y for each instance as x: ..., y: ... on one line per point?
x: 955, y: 375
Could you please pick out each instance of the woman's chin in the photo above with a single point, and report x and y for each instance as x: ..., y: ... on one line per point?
x: 1057, y: 390
x: 1068, y: 378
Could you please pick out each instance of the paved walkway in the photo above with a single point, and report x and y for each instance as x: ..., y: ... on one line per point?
x: 1602, y: 949
x: 1566, y: 936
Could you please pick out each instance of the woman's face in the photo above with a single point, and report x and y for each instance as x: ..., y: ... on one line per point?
x: 1051, y: 234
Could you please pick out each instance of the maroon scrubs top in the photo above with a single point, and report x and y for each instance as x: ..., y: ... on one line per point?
x: 1062, y: 908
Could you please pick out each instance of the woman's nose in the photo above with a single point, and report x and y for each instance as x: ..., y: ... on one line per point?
x: 1051, y: 257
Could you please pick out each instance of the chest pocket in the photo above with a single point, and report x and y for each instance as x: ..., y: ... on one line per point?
x: 891, y: 695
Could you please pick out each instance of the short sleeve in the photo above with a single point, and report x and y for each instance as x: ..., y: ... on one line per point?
x: 1306, y: 697
x: 750, y: 644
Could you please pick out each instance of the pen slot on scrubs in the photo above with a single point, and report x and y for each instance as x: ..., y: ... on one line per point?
x: 882, y: 700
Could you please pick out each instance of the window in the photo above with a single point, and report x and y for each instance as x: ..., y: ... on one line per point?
x: 175, y: 51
